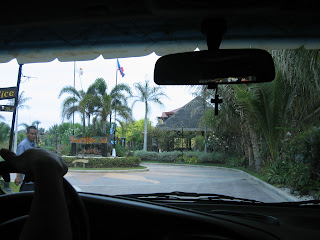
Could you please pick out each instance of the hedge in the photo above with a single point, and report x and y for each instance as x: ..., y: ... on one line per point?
x: 126, y: 162
x: 170, y: 157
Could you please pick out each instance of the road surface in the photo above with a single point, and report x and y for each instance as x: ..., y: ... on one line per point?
x: 169, y: 178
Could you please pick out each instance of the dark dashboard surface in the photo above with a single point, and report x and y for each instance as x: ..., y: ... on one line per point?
x: 112, y: 217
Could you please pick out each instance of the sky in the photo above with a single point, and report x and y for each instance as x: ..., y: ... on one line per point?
x: 42, y: 83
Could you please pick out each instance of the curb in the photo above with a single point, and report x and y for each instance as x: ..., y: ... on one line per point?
x: 267, y: 185
x: 270, y: 187
x: 110, y: 171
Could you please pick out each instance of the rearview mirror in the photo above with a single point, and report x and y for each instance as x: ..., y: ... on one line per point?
x: 231, y: 66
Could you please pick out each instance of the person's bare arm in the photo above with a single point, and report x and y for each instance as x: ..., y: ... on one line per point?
x: 48, y: 218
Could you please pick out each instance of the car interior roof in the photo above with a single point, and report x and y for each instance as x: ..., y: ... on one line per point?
x: 83, y: 31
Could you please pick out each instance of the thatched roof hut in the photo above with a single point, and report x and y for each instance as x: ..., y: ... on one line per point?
x: 187, y: 116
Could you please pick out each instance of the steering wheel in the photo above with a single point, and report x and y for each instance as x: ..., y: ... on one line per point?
x: 12, y: 219
x: 15, y: 208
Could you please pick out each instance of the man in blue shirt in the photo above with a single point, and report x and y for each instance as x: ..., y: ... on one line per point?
x: 25, y: 144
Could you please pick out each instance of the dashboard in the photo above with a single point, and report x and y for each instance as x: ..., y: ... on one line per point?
x: 112, y: 217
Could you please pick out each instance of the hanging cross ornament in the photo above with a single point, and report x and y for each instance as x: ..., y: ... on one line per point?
x: 216, y: 100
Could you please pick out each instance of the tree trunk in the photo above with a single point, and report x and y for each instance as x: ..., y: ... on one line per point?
x: 255, y: 148
x: 104, y: 126
x: 246, y: 147
x: 145, y: 130
x: 83, y: 123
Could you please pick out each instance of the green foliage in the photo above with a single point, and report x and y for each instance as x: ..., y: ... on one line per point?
x: 147, y: 94
x: 199, y: 142
x: 121, y: 151
x: 49, y: 148
x: 4, y: 132
x: 146, y: 156
x: 60, y: 134
x: 133, y: 131
x: 235, y: 162
x: 169, y: 156
x: 213, y: 157
x: 274, y: 172
x: 301, y: 154
x: 289, y: 173
x: 186, y: 159
x: 298, y: 175
x: 126, y: 162
x: 312, y: 153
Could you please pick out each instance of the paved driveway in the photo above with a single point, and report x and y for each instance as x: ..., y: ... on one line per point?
x: 169, y: 178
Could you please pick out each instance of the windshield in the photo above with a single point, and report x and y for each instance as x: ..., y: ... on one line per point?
x: 120, y: 133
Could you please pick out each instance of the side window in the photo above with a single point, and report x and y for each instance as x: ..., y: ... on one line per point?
x: 7, y: 187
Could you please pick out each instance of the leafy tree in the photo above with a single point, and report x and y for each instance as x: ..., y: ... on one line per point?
x: 73, y: 104
x: 60, y: 134
x: 300, y: 69
x: 261, y: 114
x: 132, y: 131
x: 147, y: 94
x: 4, y: 132
x: 116, y: 100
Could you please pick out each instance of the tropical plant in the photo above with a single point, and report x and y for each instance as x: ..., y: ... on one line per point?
x: 73, y: 104
x: 114, y: 102
x: 4, y: 132
x: 147, y: 94
x: 301, y: 70
x: 133, y: 132
x: 35, y: 123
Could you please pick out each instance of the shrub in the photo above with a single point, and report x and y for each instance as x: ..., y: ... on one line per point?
x: 199, y: 142
x: 186, y: 159
x: 298, y: 175
x: 214, y: 157
x: 235, y: 162
x: 121, y: 151
x: 49, y: 148
x: 69, y: 160
x: 290, y: 173
x: 169, y: 156
x: 126, y: 162
x: 209, y: 157
x: 192, y: 154
x: 275, y: 172
x: 146, y: 156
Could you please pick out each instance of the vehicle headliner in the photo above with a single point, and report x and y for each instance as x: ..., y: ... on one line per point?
x: 83, y: 31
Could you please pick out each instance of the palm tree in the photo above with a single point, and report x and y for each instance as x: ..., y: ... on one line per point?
x: 116, y: 100
x: 35, y: 123
x: 301, y: 70
x: 147, y: 95
x: 73, y: 104
x: 90, y: 103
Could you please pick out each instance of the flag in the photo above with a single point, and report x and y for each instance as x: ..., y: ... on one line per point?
x: 120, y: 68
x: 111, y: 129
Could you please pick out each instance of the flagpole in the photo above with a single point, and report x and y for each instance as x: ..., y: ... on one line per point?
x: 74, y: 86
x: 115, y: 110
x: 115, y: 116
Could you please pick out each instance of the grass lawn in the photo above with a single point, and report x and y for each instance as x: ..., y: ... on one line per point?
x: 12, y: 185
